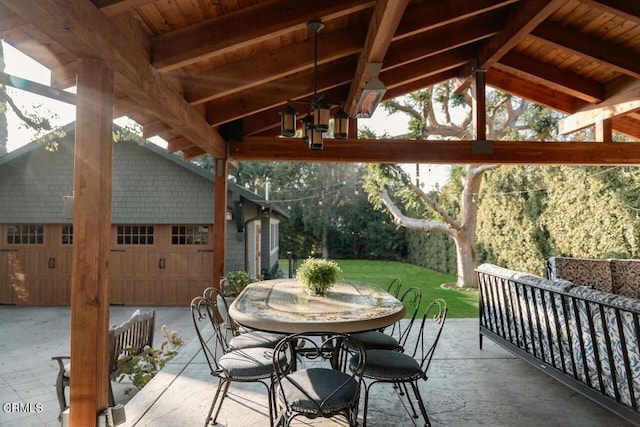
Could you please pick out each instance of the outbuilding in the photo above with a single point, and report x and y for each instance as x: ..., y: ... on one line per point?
x: 162, y: 248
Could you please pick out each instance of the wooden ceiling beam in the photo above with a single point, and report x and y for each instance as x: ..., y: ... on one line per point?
x: 629, y: 10
x: 399, y: 77
x: 562, y: 80
x: 538, y: 93
x: 459, y: 33
x: 118, y: 7
x: 621, y: 59
x: 245, y: 27
x: 619, y: 104
x: 521, y: 21
x: 271, y: 94
x: 269, y: 66
x: 431, y: 151
x: 86, y: 32
x: 429, y: 15
x: 382, y: 26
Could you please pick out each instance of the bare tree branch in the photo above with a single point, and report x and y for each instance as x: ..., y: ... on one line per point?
x: 406, y: 179
x: 413, y: 223
x: 42, y: 125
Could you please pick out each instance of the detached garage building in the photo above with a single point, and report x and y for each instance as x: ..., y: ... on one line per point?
x: 162, y: 231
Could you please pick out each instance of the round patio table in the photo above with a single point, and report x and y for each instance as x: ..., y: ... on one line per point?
x: 282, y: 305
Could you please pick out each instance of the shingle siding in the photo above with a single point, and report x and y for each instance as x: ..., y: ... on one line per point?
x: 32, y: 186
x: 168, y: 194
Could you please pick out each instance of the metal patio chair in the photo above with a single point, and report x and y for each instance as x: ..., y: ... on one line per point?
x: 396, y: 338
x: 394, y: 287
x: 317, y: 390
x: 241, y: 337
x: 253, y: 364
x: 389, y: 366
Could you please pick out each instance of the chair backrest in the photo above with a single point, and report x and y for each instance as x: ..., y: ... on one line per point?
x: 131, y: 337
x: 411, y: 298
x: 203, y: 312
x: 394, y: 287
x: 431, y: 326
x: 318, y: 348
x: 221, y: 309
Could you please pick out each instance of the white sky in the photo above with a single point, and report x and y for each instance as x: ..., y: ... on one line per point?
x: 22, y: 66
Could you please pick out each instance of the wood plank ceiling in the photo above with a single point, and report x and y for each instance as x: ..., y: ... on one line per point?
x: 187, y: 69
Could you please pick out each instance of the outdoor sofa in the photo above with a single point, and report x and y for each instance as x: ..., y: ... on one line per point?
x: 584, y: 337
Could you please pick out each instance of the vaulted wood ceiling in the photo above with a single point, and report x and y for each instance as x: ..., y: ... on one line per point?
x: 186, y: 69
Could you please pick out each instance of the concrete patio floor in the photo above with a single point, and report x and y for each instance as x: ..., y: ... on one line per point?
x: 466, y: 386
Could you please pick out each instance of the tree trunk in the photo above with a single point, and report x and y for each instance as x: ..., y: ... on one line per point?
x: 465, y: 260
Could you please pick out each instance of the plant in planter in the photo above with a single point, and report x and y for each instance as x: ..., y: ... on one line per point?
x: 318, y: 275
x: 231, y: 284
x: 234, y: 282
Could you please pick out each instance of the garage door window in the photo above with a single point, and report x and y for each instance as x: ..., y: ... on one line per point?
x: 26, y: 234
x: 189, y: 235
x: 135, y: 235
x: 67, y: 235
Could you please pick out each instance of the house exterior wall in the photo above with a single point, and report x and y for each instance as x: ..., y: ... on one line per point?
x: 151, y: 190
x: 168, y: 193
x: 32, y: 186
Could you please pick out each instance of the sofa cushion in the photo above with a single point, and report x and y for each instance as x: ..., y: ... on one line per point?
x: 582, y: 271
x: 625, y: 274
x: 612, y: 325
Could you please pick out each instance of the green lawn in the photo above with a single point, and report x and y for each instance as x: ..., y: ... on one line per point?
x: 461, y: 303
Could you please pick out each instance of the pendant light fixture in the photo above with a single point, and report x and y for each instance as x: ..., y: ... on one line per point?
x: 316, y: 123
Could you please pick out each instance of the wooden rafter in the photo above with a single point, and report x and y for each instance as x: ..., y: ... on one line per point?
x: 384, y: 22
x: 227, y: 32
x: 447, y: 152
x: 85, y: 30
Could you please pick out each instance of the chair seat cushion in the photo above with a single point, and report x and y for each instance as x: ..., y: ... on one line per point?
x: 255, y: 339
x: 255, y: 362
x: 318, y: 383
x: 389, y: 365
x: 377, y: 340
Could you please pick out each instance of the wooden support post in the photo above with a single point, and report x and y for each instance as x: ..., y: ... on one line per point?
x: 479, y: 106
x: 604, y: 130
x: 91, y: 243
x: 219, y: 220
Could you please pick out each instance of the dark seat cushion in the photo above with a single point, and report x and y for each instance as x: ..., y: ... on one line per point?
x: 318, y: 383
x: 255, y: 362
x: 388, y: 365
x: 255, y: 339
x: 377, y: 340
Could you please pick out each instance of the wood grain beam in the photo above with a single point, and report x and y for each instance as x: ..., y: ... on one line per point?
x: 459, y: 33
x: 250, y: 25
x: 84, y: 30
x: 620, y: 103
x: 542, y: 73
x: 445, y: 152
x: 91, y: 243
x: 272, y: 94
x: 429, y: 15
x: 629, y: 10
x: 384, y: 22
x: 521, y: 21
x: 623, y: 60
x: 269, y: 66
x: 37, y: 88
x: 535, y: 92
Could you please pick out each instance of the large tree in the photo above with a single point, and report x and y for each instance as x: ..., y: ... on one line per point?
x: 436, y: 113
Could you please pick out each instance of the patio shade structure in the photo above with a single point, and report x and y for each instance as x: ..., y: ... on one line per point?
x: 212, y: 77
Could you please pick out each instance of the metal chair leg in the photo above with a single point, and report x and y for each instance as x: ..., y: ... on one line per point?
x: 416, y: 392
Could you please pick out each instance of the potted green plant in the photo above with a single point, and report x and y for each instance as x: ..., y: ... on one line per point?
x: 318, y: 275
x: 231, y: 284
x: 234, y: 282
